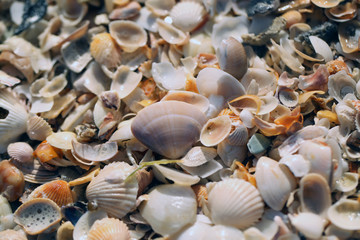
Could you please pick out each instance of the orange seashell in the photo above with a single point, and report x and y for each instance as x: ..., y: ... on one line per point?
x: 269, y: 129
x: 200, y: 193
x: 337, y: 65
x: 105, y: 50
x: 289, y: 120
x: 148, y: 86
x: 190, y: 84
x: 331, y: 116
x: 58, y: 191
x: 207, y: 60
x: 45, y: 152
x: 11, y: 181
x: 109, y: 229
x: 242, y: 172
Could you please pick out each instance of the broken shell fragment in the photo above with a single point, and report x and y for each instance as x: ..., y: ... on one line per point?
x: 170, y: 33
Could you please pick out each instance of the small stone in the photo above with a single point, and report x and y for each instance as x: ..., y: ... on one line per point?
x: 258, y: 143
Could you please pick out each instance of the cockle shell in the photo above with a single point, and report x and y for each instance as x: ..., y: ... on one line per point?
x: 84, y: 223
x: 37, y: 215
x: 21, y: 152
x: 38, y: 128
x: 341, y: 84
x: 345, y: 214
x: 11, y: 181
x: 183, y: 123
x: 129, y: 35
x: 110, y: 229
x: 242, y: 208
x: 111, y: 191
x: 57, y: 191
x: 187, y: 15
x: 170, y: 207
x: 215, y: 130
x: 11, y: 234
x: 274, y: 182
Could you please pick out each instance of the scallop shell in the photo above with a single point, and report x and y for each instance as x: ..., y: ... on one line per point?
x: 215, y: 130
x: 38, y: 128
x: 341, y: 84
x: 171, y: 34
x: 84, y: 223
x: 57, y: 191
x: 183, y: 124
x: 242, y: 208
x: 11, y: 181
x: 345, y: 214
x: 110, y: 229
x: 111, y: 192
x: 192, y: 98
x: 187, y: 15
x: 128, y: 34
x: 11, y: 234
x: 105, y: 50
x: 21, y: 152
x: 274, y: 182
x: 37, y: 215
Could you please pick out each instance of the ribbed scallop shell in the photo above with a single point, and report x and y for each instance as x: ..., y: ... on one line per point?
x: 169, y: 127
x: 235, y: 202
x: 110, y: 192
x: 187, y: 15
x: 109, y: 229
x: 21, y: 152
x: 58, y: 191
x: 38, y: 128
x: 105, y: 50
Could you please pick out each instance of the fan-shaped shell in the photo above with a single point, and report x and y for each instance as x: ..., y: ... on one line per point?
x: 84, y: 223
x: 37, y: 215
x: 345, y: 214
x: 187, y: 15
x: 235, y: 202
x: 193, y: 98
x: 215, y: 130
x: 57, y: 191
x: 21, y: 152
x: 105, y: 50
x: 38, y: 128
x: 169, y: 127
x: 128, y: 34
x: 109, y: 229
x: 111, y: 192
x: 340, y: 84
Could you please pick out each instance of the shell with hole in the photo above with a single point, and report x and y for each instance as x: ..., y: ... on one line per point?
x: 169, y: 127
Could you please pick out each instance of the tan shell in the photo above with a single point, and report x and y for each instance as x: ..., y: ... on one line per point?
x: 345, y: 214
x: 342, y: 12
x: 128, y: 34
x: 94, y: 153
x: 38, y: 128
x: 11, y: 234
x: 349, y: 43
x: 128, y: 11
x: 243, y: 205
x: 215, y: 130
x: 169, y: 127
x: 105, y: 50
x: 187, y: 15
x: 65, y: 231
x: 326, y: 4
x: 347, y: 182
x: 110, y: 192
x: 249, y: 102
x: 170, y: 33
x: 21, y: 152
x: 83, y: 225
x: 109, y: 229
x: 37, y: 215
x: 57, y: 191
x: 62, y: 140
x: 192, y: 98
x: 11, y: 180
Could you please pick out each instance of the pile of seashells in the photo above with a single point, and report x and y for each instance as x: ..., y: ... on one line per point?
x: 179, y: 120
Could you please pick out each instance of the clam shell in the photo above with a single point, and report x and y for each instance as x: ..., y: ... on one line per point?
x: 166, y: 76
x: 169, y: 127
x: 347, y: 182
x: 192, y: 98
x: 288, y: 97
x: 171, y: 34
x: 326, y: 4
x: 62, y: 140
x: 314, y: 194
x: 215, y: 130
x: 297, y: 164
x: 65, y: 231
x: 21, y: 152
x: 11, y: 234
x: 341, y: 84
x: 129, y: 35
x: 274, y: 182
x: 163, y: 215
x: 345, y: 214
x: 230, y: 153
x: 125, y: 81
x: 38, y: 128
x: 11, y: 181
x: 109, y: 228
x: 242, y: 208
x: 36, y: 173
x: 57, y: 191
x: 310, y: 224
x: 187, y: 15
x: 110, y: 192
x: 37, y: 215
x: 105, y: 50
x: 94, y: 153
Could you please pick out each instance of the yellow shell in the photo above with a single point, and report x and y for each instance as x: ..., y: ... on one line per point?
x: 105, y: 50
x: 109, y: 229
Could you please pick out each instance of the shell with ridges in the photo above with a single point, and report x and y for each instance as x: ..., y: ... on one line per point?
x: 242, y: 208
x: 38, y: 128
x: 198, y: 156
x: 187, y: 15
x: 109, y: 229
x: 21, y: 152
x: 94, y: 153
x: 83, y: 225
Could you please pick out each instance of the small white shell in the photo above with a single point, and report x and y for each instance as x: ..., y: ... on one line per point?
x: 180, y: 178
x: 62, y: 140
x: 345, y: 214
x: 347, y: 182
x: 170, y: 33
x: 341, y: 84
x: 21, y: 152
x: 221, y: 232
x: 166, y: 76
x: 288, y: 97
x: 198, y: 156
x: 125, y: 81
x: 297, y: 164
x: 310, y: 224
x: 215, y: 130
x: 187, y: 15
x: 243, y: 205
x: 265, y: 79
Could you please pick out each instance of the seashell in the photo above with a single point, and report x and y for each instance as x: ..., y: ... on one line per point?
x: 184, y: 123
x: 109, y: 228
x: 65, y: 231
x: 326, y: 4
x: 38, y: 128
x: 166, y: 76
x: 265, y: 79
x: 196, y: 231
x: 163, y: 173
x: 76, y: 54
x: 347, y: 182
x: 8, y: 80
x: 160, y: 8
x: 242, y: 198
x: 129, y: 35
x: 288, y: 97
x: 94, y: 153
x: 12, y: 181
x: 322, y: 48
x: 269, y: 129
x: 71, y: 11
x: 171, y: 34
x: 315, y: 81
x: 310, y: 224
x: 220, y: 232
x: 147, y: 20
x: 239, y: 136
x: 192, y: 98
x: 125, y: 81
x: 297, y: 164
x: 292, y: 17
x: 333, y: 230
x: 229, y: 153
x: 111, y: 191
x: 349, y: 42
x: 57, y: 191
x: 6, y: 215
x: 13, y: 120
x: 344, y: 214
x: 21, y: 152
x: 128, y: 11
x: 11, y: 234
x: 215, y: 130
x: 249, y: 102
x: 274, y: 182
x: 37, y: 215
x: 187, y: 15
x: 22, y: 64
x: 45, y: 152
x: 83, y: 225
x: 197, y: 156
x: 341, y: 84
x: 205, y: 170
x: 314, y: 194
x: 105, y: 50
x: 163, y: 215
x: 342, y: 12
x: 346, y: 115
x: 62, y: 140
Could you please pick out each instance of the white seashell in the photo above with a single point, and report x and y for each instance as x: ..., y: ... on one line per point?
x: 205, y: 170
x: 230, y: 153
x: 171, y: 34
x: 310, y: 224
x: 269, y: 103
x: 274, y: 182
x: 62, y: 104
x: 197, y: 156
x: 13, y: 124
x: 321, y: 47
x: 198, y: 43
x: 239, y: 136
x: 125, y: 81
x: 187, y: 15
x: 8, y: 80
x: 94, y: 153
x: 183, y: 124
x: 62, y: 140
x: 123, y: 131
x: 110, y: 192
x: 333, y: 230
x: 133, y: 99
x: 6, y: 215
x: 265, y: 79
x: 76, y: 54
x: 159, y: 7
x: 297, y: 164
x: 288, y: 97
x: 21, y: 152
x: 195, y: 231
x: 192, y: 98
x: 347, y: 182
x: 71, y: 11
x: 166, y: 76
x: 170, y: 208
x: 109, y: 228
x: 247, y: 118
x: 221, y: 232
x: 314, y: 194
x: 215, y: 130
x: 128, y: 34
x: 345, y: 214
x: 179, y: 178
x: 242, y: 208
x: 340, y: 84
x: 346, y: 114
x: 85, y: 222
x: 147, y: 20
